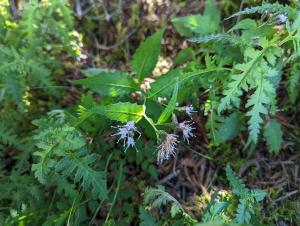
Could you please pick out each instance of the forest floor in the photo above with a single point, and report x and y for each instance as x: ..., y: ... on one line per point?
x: 196, y: 168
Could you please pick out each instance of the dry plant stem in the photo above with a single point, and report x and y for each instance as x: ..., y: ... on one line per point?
x: 169, y: 177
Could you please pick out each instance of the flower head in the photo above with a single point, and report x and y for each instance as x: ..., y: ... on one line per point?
x: 282, y: 18
x: 167, y: 148
x: 126, y: 133
x: 186, y: 129
x: 130, y: 143
x: 189, y: 110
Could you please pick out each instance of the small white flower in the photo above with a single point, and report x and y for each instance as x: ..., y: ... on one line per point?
x: 189, y: 110
x: 186, y: 128
x: 126, y: 133
x: 167, y: 148
x: 123, y: 133
x: 282, y: 18
x: 130, y: 143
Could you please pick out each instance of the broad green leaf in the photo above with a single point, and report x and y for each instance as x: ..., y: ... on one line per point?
x: 108, y: 83
x: 164, y: 84
x: 146, y: 56
x: 165, y: 115
x: 122, y: 112
x: 273, y: 136
x: 198, y: 24
x: 187, y: 24
x: 229, y: 128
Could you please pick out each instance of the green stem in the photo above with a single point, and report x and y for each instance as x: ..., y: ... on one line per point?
x: 150, y: 121
x: 116, y: 194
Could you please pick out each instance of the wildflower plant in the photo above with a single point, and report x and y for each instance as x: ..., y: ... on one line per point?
x: 63, y: 161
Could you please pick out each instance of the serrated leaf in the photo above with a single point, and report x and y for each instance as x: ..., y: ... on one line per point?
x: 273, y: 135
x: 108, y: 83
x: 165, y: 115
x: 146, y: 56
x: 158, y: 197
x: 258, y: 194
x: 244, y: 211
x: 121, y: 111
x: 175, y: 209
x: 258, y: 102
x: 236, y: 183
x: 78, y: 164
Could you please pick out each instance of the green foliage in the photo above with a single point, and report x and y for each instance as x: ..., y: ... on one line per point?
x: 247, y: 198
x: 254, y: 75
x: 146, y: 56
x: 158, y: 197
x: 24, y: 56
x: 293, y: 82
x: 273, y: 136
x: 62, y: 146
x: 229, y: 127
x: 165, y: 115
x: 122, y: 112
x: 107, y: 83
x: 204, y: 24
x: 146, y: 218
x: 62, y: 151
x: 266, y: 8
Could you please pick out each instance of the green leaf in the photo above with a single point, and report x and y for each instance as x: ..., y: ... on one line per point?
x: 247, y: 24
x: 258, y: 102
x: 229, y: 128
x: 108, y: 83
x: 146, y: 56
x: 258, y: 194
x: 122, y: 112
x: 79, y: 165
x: 164, y: 84
x: 198, y: 24
x: 183, y: 56
x: 273, y: 136
x: 244, y: 212
x: 157, y: 197
x: 145, y: 218
x: 217, y: 223
x: 293, y: 82
x: 236, y: 183
x: 165, y: 115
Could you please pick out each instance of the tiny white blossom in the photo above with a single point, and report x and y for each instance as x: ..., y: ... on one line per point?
x: 130, y: 143
x: 189, y: 110
x: 282, y: 18
x: 126, y: 133
x: 186, y: 128
x: 167, y: 148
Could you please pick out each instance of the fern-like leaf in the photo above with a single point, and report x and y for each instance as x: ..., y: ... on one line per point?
x: 158, y: 197
x: 78, y: 164
x: 293, y: 82
x: 266, y: 8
